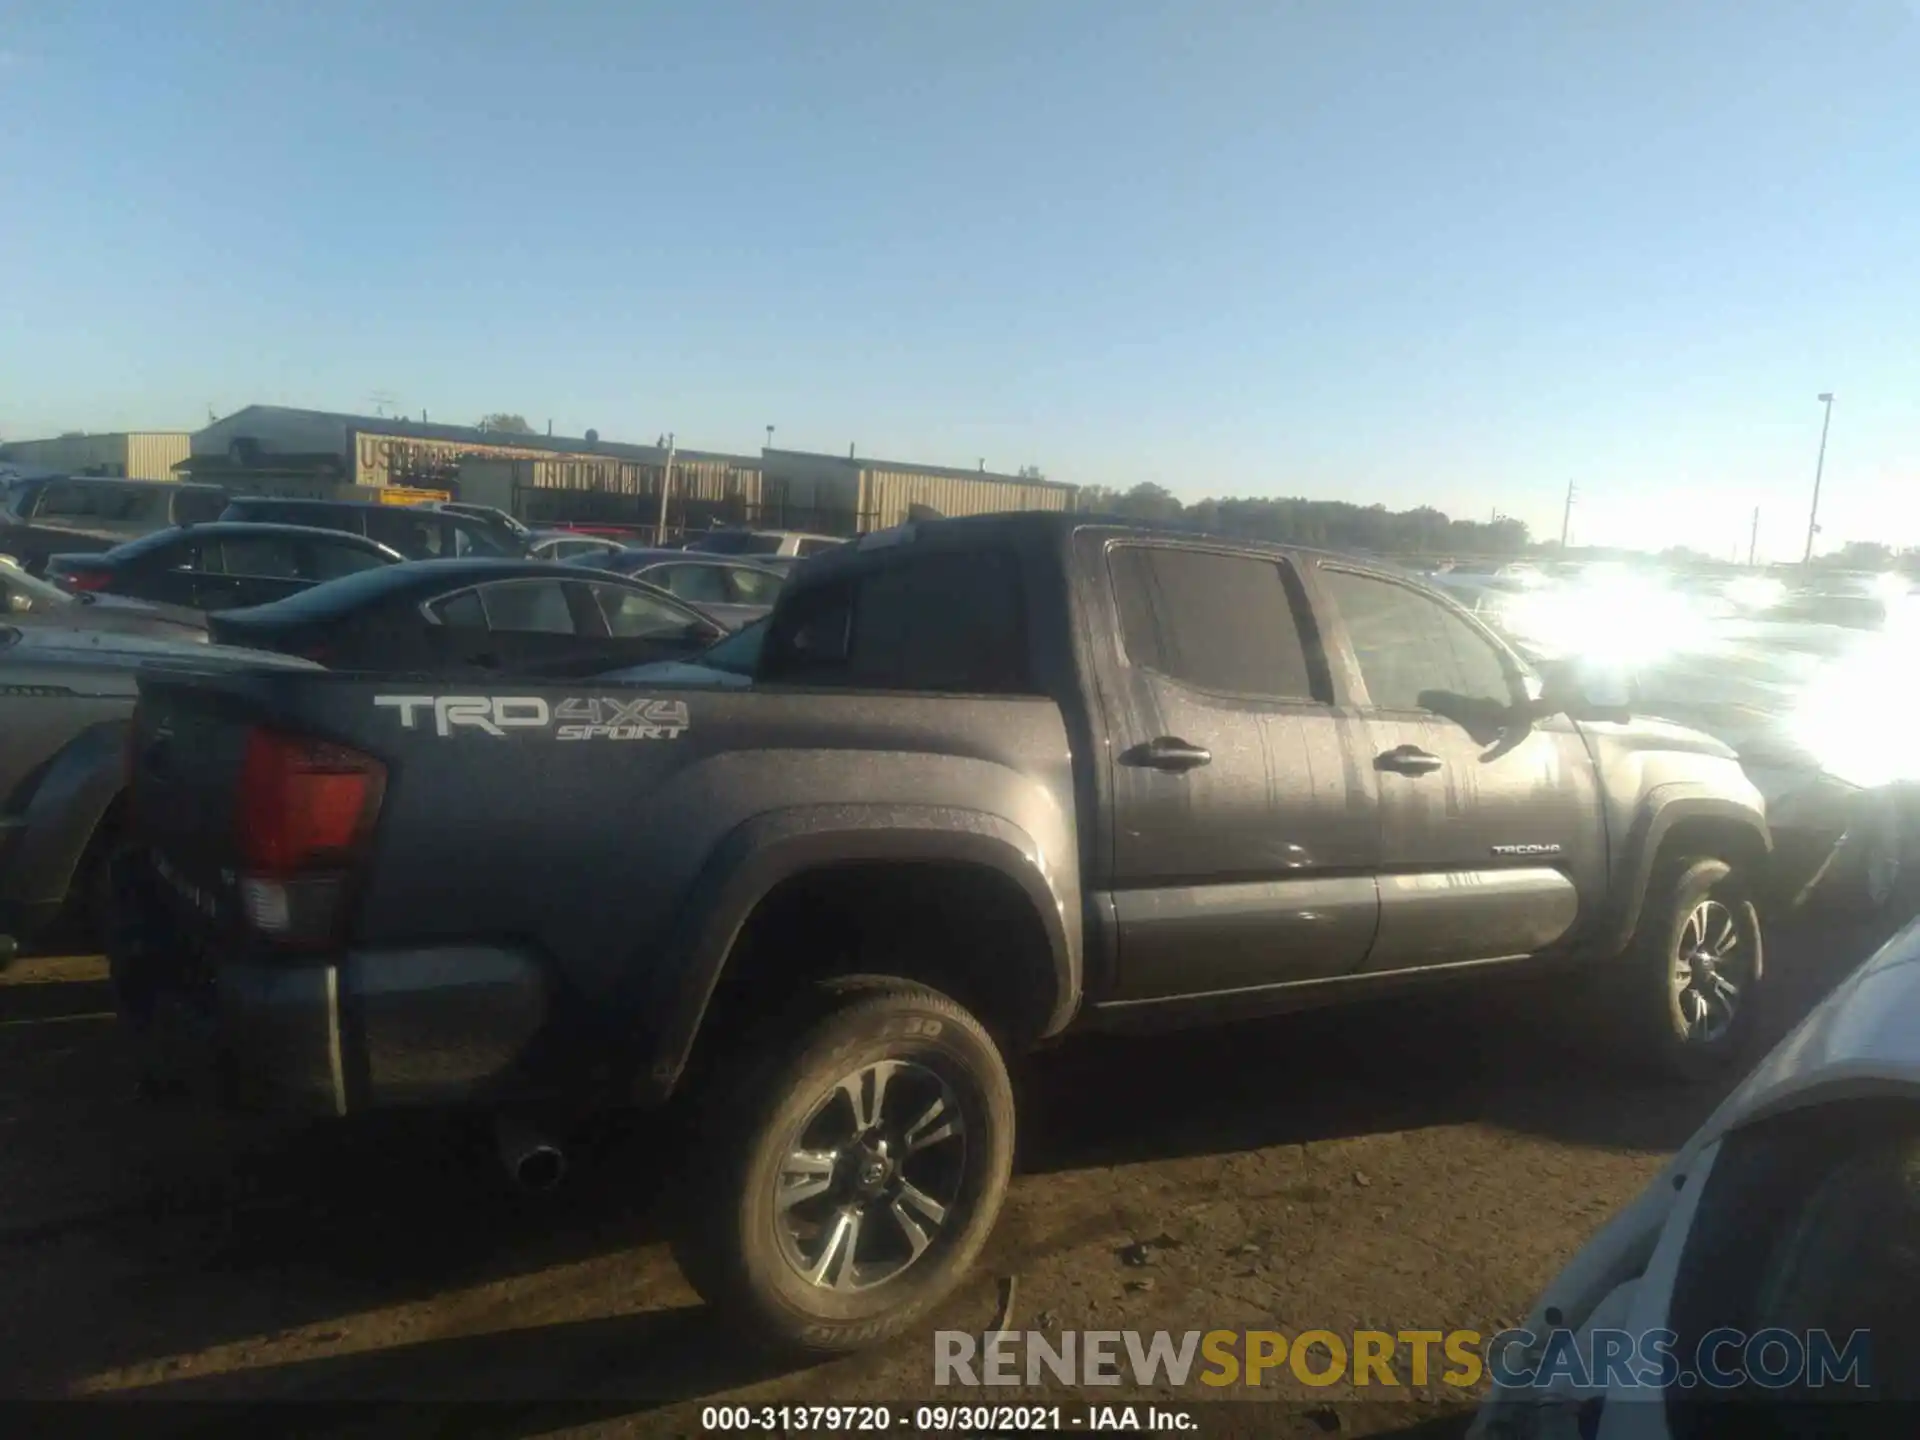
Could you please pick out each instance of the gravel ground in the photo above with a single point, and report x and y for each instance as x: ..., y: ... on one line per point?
x: 1420, y: 1165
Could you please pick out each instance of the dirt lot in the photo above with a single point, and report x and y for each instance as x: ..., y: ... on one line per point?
x: 1419, y: 1165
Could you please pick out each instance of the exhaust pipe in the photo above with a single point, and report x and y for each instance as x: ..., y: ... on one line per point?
x: 534, y: 1162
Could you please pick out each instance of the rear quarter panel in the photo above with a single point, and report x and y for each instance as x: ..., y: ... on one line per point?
x: 587, y: 848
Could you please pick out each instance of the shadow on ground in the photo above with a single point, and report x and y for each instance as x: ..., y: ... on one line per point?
x: 196, y: 1245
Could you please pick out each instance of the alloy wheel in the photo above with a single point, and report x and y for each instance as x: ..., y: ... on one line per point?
x: 871, y: 1176
x: 1710, y: 966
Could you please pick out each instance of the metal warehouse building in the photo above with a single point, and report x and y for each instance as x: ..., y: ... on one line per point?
x: 124, y: 454
x: 845, y: 495
x: 550, y: 479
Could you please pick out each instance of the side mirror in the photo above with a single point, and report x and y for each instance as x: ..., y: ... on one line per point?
x: 1585, y: 692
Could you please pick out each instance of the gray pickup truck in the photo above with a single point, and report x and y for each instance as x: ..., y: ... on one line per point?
x: 995, y: 779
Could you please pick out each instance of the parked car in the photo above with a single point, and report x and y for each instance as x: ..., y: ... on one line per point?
x: 65, y: 695
x: 475, y: 617
x: 763, y: 542
x: 1791, y: 1212
x: 512, y: 535
x: 730, y: 591
x: 28, y: 600
x: 222, y: 565
x: 994, y: 779
x: 73, y: 514
x: 417, y: 532
x: 570, y: 545
x: 727, y: 664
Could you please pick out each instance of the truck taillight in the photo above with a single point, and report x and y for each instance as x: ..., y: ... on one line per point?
x: 306, y: 812
x: 79, y: 582
x: 305, y: 804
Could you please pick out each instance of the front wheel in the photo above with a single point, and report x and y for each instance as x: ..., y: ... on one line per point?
x: 852, y: 1178
x: 1689, y: 983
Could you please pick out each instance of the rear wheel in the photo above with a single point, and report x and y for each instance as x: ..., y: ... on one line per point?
x: 852, y: 1176
x: 1689, y: 983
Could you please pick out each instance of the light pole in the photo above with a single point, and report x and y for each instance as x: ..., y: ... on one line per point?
x: 1813, y: 515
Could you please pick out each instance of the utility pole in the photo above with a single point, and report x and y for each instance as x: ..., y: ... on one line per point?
x: 1813, y: 515
x: 1753, y: 537
x: 1566, y: 516
x: 769, y: 437
x: 666, y: 489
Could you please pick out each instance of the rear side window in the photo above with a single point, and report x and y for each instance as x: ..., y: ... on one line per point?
x: 952, y: 622
x: 462, y: 612
x: 814, y: 547
x: 262, y: 557
x: 1224, y: 623
x: 527, y: 607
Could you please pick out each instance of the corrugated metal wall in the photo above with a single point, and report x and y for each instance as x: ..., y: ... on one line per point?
x: 885, y: 495
x: 141, y: 455
x: 693, y: 479
x: 152, y: 455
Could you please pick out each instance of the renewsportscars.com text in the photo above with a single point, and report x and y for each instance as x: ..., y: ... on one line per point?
x: 1388, y: 1359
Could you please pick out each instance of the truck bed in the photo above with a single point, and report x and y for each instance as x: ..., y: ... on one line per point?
x: 602, y: 804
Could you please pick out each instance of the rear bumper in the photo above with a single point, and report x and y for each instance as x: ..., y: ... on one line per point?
x: 434, y: 1026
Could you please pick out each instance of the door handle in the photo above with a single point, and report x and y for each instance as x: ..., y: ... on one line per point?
x: 1408, y: 760
x: 1169, y: 753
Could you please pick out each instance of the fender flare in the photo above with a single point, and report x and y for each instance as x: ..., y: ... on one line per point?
x: 79, y: 783
x: 778, y: 845
x: 1665, y: 807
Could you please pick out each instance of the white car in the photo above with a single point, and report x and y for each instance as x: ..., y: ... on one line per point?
x: 1774, y: 1261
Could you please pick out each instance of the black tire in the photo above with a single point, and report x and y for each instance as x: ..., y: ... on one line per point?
x: 737, y: 1246
x: 1662, y: 1030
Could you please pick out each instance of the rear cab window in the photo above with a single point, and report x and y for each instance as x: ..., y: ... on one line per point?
x: 950, y: 622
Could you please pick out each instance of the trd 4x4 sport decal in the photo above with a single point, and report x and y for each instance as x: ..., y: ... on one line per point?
x: 576, y: 718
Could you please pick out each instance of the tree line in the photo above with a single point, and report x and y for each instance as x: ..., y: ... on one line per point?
x: 1322, y: 524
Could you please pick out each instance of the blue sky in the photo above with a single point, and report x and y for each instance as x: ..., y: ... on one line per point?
x: 1457, y: 253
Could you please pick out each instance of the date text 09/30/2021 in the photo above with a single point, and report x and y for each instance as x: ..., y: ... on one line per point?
x: 946, y: 1419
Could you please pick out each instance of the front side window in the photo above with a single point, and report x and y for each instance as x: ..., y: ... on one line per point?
x: 1221, y: 623
x: 329, y: 562
x: 1407, y: 644
x: 636, y: 615
x: 527, y: 607
x: 474, y: 540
